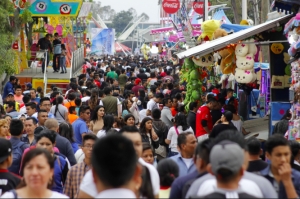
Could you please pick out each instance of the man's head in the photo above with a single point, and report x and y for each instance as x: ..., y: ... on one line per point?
x: 167, y: 102
x: 56, y: 35
x: 10, y: 106
x: 32, y: 93
x: 254, y: 147
x: 42, y: 117
x: 5, y: 153
x: 107, y: 90
x: 12, y: 79
x: 201, y: 157
x: 278, y: 150
x: 132, y: 133
x: 18, y: 90
x: 174, y: 102
x: 48, y: 36
x: 211, y: 103
x: 156, y: 113
x: 16, y: 127
x: 85, y: 112
x: 10, y: 97
x: 193, y: 106
x: 45, y: 104
x: 226, y: 162
x: 295, y: 148
x: 30, y: 125
x: 115, y: 168
x: 187, y: 143
x: 52, y: 124
x: 158, y: 97
x: 30, y: 108
x: 229, y: 93
x: 88, y: 143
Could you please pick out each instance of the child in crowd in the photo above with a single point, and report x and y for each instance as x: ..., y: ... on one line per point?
x: 72, y: 114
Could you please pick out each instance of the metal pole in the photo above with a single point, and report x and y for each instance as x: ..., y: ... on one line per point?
x: 244, y: 10
x: 205, y: 10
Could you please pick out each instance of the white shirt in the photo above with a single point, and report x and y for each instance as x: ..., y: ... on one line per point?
x: 54, y: 195
x: 86, y: 98
x: 79, y: 156
x: 151, y: 105
x: 172, y: 135
x: 101, y: 133
x: 187, y: 161
x: 116, y: 193
x: 143, y: 114
x: 87, y: 184
x: 23, y: 110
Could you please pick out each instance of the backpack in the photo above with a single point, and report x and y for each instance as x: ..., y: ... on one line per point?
x: 17, y: 153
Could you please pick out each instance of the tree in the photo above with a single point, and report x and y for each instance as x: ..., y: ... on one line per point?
x: 107, y: 13
x: 121, y: 20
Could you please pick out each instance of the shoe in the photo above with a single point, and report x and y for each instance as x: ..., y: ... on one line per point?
x: 55, y: 71
x: 61, y: 72
x: 66, y: 72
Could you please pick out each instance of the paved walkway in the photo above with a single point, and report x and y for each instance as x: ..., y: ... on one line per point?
x: 37, y: 73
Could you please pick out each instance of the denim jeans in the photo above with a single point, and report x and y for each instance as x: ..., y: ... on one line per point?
x: 43, y: 64
x: 63, y: 64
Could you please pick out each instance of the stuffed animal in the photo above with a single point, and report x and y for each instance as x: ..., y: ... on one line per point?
x: 219, y: 33
x: 208, y: 28
x: 245, y: 63
x: 228, y: 63
x: 277, y: 48
x: 241, y: 50
x: 204, y: 61
x: 252, y: 47
x: 244, y: 76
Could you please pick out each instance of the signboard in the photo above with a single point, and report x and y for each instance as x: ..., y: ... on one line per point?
x: 39, y: 8
x: 198, y: 7
x: 171, y: 6
x: 103, y: 41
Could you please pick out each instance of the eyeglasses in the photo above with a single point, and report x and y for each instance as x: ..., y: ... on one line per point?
x: 89, y: 146
x: 88, y: 113
x: 46, y: 105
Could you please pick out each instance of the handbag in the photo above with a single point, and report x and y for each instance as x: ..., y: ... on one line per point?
x: 161, y: 150
x: 40, y: 55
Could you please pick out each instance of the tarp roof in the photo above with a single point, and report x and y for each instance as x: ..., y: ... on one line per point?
x: 119, y: 49
x: 220, y: 43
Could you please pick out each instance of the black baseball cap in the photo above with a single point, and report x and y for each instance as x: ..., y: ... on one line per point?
x: 5, y: 149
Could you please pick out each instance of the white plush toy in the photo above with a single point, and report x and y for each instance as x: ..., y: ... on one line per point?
x: 252, y: 47
x: 244, y: 76
x: 241, y: 50
x: 245, y: 63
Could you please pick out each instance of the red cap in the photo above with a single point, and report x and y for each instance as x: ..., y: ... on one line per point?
x: 137, y: 81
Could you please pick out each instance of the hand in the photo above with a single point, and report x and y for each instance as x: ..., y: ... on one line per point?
x: 154, y: 135
x: 285, y: 172
x: 136, y: 99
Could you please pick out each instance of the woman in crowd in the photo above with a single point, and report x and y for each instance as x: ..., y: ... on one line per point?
x: 46, y: 140
x: 225, y: 124
x: 4, y: 133
x: 8, y: 118
x: 36, y: 161
x: 168, y: 171
x: 237, y: 120
x: 66, y: 130
x: 148, y: 154
x: 148, y: 134
x: 129, y: 107
x: 108, y: 126
x: 180, y: 126
x: 94, y: 100
x: 118, y: 123
x: 96, y: 123
x: 129, y: 120
x: 59, y: 110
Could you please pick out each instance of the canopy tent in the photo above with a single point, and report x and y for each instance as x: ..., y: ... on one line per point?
x: 169, y: 29
x: 220, y: 43
x: 120, y: 47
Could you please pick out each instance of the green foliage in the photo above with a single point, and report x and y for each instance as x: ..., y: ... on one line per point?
x: 121, y: 20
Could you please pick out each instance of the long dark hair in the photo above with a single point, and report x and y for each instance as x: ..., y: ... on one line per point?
x: 124, y: 105
x: 180, y: 120
x: 66, y: 130
x: 108, y: 121
x: 59, y: 100
x: 95, y: 113
x: 93, y: 101
x: 143, y: 129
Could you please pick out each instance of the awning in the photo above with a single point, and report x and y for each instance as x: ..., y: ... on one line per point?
x: 171, y: 28
x: 119, y: 46
x: 220, y: 43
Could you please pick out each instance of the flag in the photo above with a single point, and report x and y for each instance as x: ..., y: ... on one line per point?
x: 272, y: 5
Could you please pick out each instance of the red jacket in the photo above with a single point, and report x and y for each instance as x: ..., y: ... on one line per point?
x: 203, y: 113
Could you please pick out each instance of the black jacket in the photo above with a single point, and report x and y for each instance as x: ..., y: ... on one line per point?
x: 161, y: 130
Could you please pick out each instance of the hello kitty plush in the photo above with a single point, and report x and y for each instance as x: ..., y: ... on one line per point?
x: 245, y: 63
x: 252, y: 47
x: 244, y: 76
x: 241, y: 50
x: 204, y: 61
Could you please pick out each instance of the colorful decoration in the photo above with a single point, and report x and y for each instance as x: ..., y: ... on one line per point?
x: 208, y: 28
x: 277, y: 48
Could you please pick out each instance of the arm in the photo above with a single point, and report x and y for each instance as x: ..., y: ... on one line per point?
x: 119, y: 110
x: 285, y: 173
x: 169, y: 136
x: 204, y: 125
x: 65, y: 171
x: 70, y: 154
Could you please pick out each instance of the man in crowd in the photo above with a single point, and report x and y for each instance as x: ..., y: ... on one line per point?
x: 186, y: 142
x: 191, y: 117
x: 204, y: 123
x: 10, y: 109
x: 34, y: 98
x: 30, y: 125
x: 137, y: 86
x: 10, y: 98
x: 31, y: 109
x: 44, y: 44
x: 79, y: 126
x: 76, y: 173
x: 255, y: 163
x: 57, y: 53
x: 18, y: 95
x: 45, y: 104
x: 285, y: 180
x: 166, y: 114
x: 9, y: 86
x: 42, y: 117
x: 112, y: 104
x: 62, y: 143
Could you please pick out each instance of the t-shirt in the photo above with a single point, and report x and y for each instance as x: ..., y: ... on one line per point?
x: 172, y: 135
x: 54, y: 195
x: 69, y: 104
x: 151, y: 105
x: 219, y: 128
x: 72, y: 118
x: 112, y: 74
x: 136, y: 89
x: 60, y: 113
x: 8, y: 181
x: 79, y: 127
x: 203, y: 113
x: 122, y: 79
x: 19, y: 99
x: 257, y: 165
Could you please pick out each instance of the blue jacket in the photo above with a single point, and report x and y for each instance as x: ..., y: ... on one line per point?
x: 281, y: 192
x: 8, y: 88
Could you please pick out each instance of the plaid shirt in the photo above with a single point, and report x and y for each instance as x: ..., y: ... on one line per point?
x: 74, y: 178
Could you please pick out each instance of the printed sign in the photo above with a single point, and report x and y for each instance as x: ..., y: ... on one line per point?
x: 171, y: 6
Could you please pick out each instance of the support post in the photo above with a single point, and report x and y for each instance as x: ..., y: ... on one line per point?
x: 244, y: 9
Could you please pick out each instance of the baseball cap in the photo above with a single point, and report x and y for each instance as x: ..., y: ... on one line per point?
x: 226, y: 155
x: 5, y: 149
x: 11, y: 94
x: 137, y: 81
x: 29, y: 85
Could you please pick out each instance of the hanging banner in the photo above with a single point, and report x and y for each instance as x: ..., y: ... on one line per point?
x: 186, y: 26
x: 171, y: 6
x: 103, y: 41
x: 198, y: 6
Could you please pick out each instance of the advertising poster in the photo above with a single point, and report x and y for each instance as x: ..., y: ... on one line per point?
x: 103, y: 41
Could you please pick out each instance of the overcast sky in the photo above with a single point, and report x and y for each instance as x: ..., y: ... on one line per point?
x: 149, y: 7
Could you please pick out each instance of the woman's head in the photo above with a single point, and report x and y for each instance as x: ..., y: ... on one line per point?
x: 126, y: 105
x: 46, y: 139
x: 99, y: 111
x: 37, y: 169
x: 148, y: 154
x: 129, y: 120
x: 227, y: 116
x: 108, y: 122
x: 146, y: 125
x: 59, y: 100
x: 66, y: 130
x: 3, y: 128
x: 8, y: 118
x: 168, y: 171
x: 180, y: 120
x: 118, y: 122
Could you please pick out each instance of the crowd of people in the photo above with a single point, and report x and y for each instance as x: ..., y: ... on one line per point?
x: 122, y: 130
